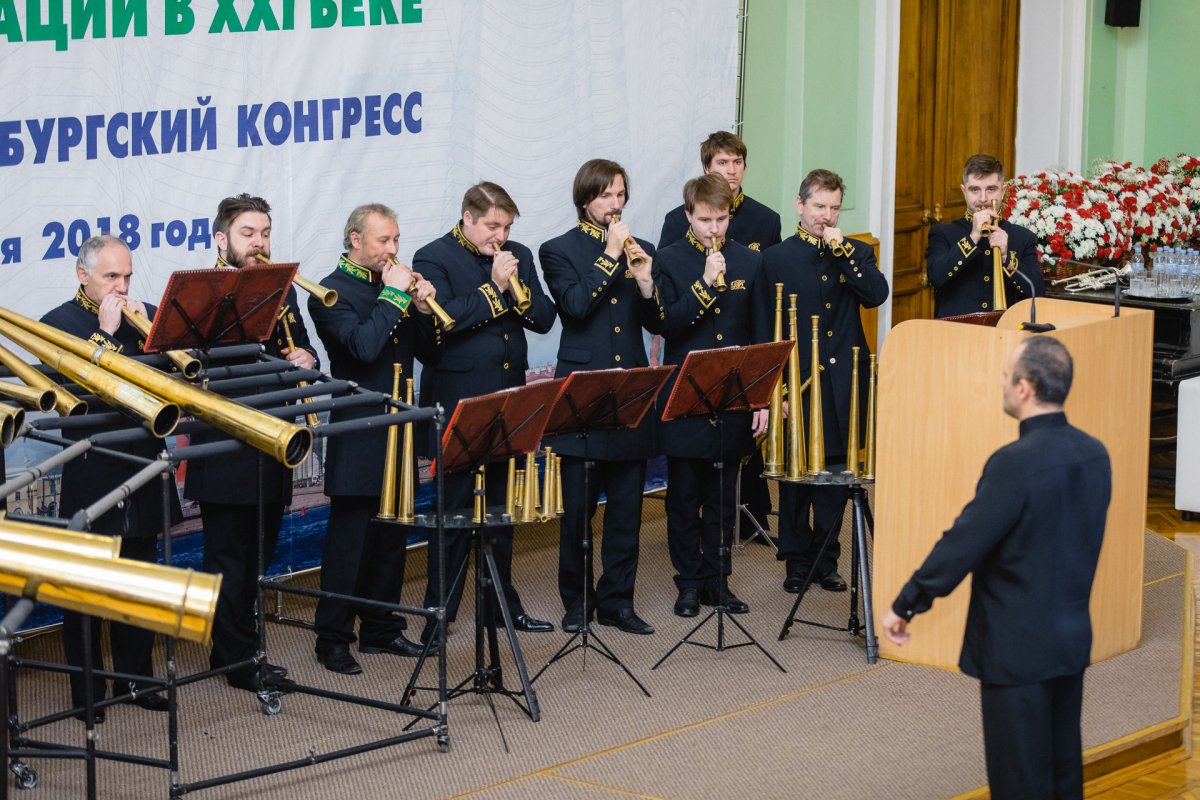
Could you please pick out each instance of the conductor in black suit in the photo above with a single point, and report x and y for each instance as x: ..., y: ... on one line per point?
x: 473, y: 268
x: 1030, y: 539
x: 604, y: 303
x: 104, y: 268
x: 959, y: 260
x: 381, y: 320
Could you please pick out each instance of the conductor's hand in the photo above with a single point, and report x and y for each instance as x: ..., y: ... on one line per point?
x: 759, y: 423
x: 398, y: 276
x: 421, y: 291
x: 299, y: 357
x: 109, y: 312
x: 504, y: 266
x: 895, y: 628
x: 713, y: 266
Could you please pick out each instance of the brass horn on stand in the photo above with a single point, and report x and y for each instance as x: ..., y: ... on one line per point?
x: 406, y: 512
x: 816, y: 427
x: 40, y: 399
x: 872, y: 410
x: 65, y: 403
x: 12, y: 420
x: 312, y: 419
x: 796, y: 465
x: 387, y: 492
x: 852, y: 438
x: 773, y: 461
x: 188, y: 365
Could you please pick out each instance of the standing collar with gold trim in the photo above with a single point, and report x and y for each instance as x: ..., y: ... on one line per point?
x: 737, y: 202
x: 355, y: 270
x: 87, y: 302
x: 222, y: 263
x: 462, y: 239
x: 695, y: 242
x: 593, y: 230
x: 808, y: 237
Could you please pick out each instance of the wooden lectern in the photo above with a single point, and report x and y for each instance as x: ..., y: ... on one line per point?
x: 940, y: 417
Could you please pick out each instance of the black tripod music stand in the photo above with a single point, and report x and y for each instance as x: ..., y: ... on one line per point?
x: 611, y: 399
x: 711, y: 382
x: 860, y: 571
x: 482, y: 430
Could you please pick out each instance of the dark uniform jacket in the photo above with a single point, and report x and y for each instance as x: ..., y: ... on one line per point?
x: 833, y: 288
x: 603, y: 314
x: 369, y: 329
x: 960, y: 271
x: 233, y: 479
x: 88, y: 478
x: 700, y: 318
x: 750, y: 223
x: 485, y: 351
x: 1032, y: 555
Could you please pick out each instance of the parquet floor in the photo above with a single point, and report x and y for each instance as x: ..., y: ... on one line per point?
x: 1180, y: 780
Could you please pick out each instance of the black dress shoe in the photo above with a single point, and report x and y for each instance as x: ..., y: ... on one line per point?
x: 276, y: 670
x: 248, y: 680
x: 572, y: 621
x: 399, y: 646
x: 832, y: 582
x: 338, y: 659
x: 151, y: 702
x: 626, y: 621
x: 733, y: 604
x: 794, y: 582
x: 688, y: 603
x: 528, y: 624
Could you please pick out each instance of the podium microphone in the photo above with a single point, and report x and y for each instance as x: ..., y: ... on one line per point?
x: 1033, y: 325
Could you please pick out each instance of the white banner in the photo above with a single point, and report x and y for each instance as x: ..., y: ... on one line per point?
x: 137, y: 117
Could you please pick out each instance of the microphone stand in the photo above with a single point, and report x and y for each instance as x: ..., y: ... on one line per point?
x: 1033, y: 325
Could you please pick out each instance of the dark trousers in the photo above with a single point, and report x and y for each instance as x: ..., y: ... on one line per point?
x: 756, y: 494
x: 231, y: 548
x: 459, y: 488
x: 622, y: 483
x: 800, y: 539
x: 700, y: 515
x: 1031, y: 739
x: 132, y: 648
x: 366, y: 559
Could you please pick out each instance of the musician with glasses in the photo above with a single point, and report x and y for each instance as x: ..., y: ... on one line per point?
x: 104, y: 268
x: 477, y: 272
x: 604, y: 301
x: 382, y: 319
x: 226, y: 488
x: 959, y: 261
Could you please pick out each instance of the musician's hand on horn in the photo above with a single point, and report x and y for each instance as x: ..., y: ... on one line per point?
x: 398, y: 276
x: 421, y: 291
x: 999, y: 238
x: 618, y: 234
x: 832, y: 234
x: 981, y: 221
x: 137, y: 307
x: 643, y: 273
x: 504, y: 266
x: 109, y: 312
x: 714, y: 265
x: 299, y: 357
x: 758, y: 425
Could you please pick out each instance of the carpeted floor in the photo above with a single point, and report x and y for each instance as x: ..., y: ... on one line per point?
x: 719, y: 725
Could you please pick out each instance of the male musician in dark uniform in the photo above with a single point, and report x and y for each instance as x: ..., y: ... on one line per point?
x: 755, y: 225
x: 227, y: 487
x: 834, y: 288
x: 1030, y: 539
x: 604, y: 302
x: 472, y: 269
x: 381, y: 319
x: 959, y: 265
x: 104, y: 267
x: 700, y: 497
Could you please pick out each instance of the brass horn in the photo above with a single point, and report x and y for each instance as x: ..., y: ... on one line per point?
x: 816, y: 426
x: 796, y: 467
x: 406, y: 513
x: 837, y: 248
x: 530, y: 500
x: 65, y: 403
x: 999, y: 299
x: 160, y: 416
x: 89, y: 545
x: 312, y: 419
x: 519, y: 291
x: 439, y: 313
x: 869, y: 458
x: 634, y: 260
x: 288, y: 443
x: 852, y: 438
x: 188, y: 365
x: 169, y: 600
x: 328, y: 297
x: 387, y: 492
x: 549, y: 481
x: 558, y: 495
x: 480, y: 515
x: 719, y: 283
x: 773, y: 464
x: 510, y: 492
x: 40, y: 399
x: 12, y: 420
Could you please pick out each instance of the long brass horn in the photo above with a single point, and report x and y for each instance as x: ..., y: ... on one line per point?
x: 627, y: 245
x: 89, y: 545
x: 41, y: 399
x: 286, y: 442
x: 816, y: 425
x: 12, y: 420
x: 387, y: 492
x: 999, y: 298
x: 549, y: 479
x: 188, y: 365
x: 312, y: 419
x: 529, y: 501
x: 65, y: 403
x: 519, y: 291
x: 446, y: 321
x: 796, y: 467
x: 328, y: 297
x: 773, y: 463
x: 510, y: 492
x: 719, y: 283
x: 852, y: 438
x: 169, y: 600
x: 160, y: 416
x: 406, y: 512
x: 872, y: 403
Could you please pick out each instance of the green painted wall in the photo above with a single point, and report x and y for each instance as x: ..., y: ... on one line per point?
x: 808, y: 96
x: 1140, y: 84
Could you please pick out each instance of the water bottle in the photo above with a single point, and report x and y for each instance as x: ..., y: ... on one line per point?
x: 1137, y: 264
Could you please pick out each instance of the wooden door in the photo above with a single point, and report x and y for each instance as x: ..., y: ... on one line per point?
x: 957, y: 96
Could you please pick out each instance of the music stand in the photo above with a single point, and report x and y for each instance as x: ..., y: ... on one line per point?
x: 711, y: 382
x: 610, y: 399
x: 203, y: 308
x: 482, y: 430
